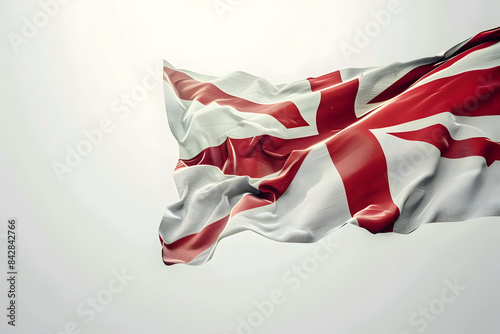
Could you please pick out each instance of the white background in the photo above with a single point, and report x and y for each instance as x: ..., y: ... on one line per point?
x: 104, y: 215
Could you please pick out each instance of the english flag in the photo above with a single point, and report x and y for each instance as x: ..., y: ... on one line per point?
x: 385, y: 148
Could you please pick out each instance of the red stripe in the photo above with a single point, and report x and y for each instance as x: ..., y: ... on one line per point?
x: 473, y: 93
x: 325, y: 81
x: 187, y: 248
x: 404, y: 83
x: 439, y: 136
x: 336, y: 108
x: 188, y: 88
x: 485, y: 36
x: 457, y: 58
x: 272, y: 189
x: 255, y: 157
x: 361, y: 163
x: 422, y: 72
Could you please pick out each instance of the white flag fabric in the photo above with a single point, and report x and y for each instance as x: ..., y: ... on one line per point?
x: 385, y: 148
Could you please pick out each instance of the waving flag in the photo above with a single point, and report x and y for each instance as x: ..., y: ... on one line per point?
x: 385, y: 148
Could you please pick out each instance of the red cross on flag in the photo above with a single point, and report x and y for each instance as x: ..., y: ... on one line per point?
x: 385, y: 148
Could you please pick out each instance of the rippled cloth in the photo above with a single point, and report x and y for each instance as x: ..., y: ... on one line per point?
x: 385, y: 148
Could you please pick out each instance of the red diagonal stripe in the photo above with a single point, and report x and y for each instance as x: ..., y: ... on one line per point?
x: 473, y: 93
x: 458, y: 57
x: 188, y: 88
x: 488, y: 35
x: 272, y: 189
x: 404, y: 83
x: 187, y: 248
x: 439, y: 136
x: 358, y: 157
x: 255, y: 157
